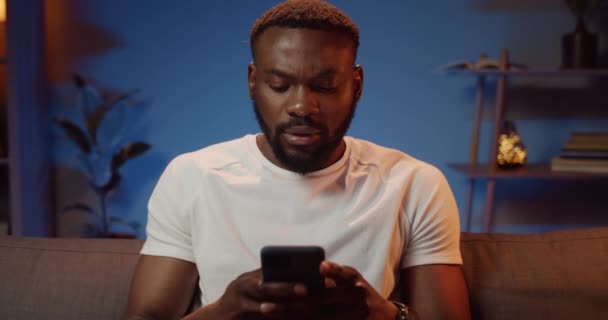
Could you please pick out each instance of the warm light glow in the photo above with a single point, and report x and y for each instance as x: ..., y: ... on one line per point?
x: 2, y: 10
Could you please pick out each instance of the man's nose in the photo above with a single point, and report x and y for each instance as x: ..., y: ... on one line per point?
x: 303, y: 104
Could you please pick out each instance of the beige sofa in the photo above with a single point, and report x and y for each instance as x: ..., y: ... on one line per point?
x: 556, y: 275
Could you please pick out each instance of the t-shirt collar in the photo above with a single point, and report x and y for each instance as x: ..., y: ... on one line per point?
x: 251, y: 142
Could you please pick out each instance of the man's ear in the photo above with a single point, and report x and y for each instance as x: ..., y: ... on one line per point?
x: 251, y: 79
x: 358, y: 79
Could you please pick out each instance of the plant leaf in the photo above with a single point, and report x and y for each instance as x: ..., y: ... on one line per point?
x: 79, y: 206
x: 112, y: 184
x: 95, y: 118
x: 128, y: 151
x: 75, y: 134
x: 135, y: 225
x: 115, y: 219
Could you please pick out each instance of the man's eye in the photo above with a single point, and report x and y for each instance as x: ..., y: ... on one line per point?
x: 279, y: 88
x: 325, y: 89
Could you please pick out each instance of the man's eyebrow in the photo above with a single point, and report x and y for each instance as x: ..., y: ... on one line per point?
x: 279, y: 73
x: 324, y: 73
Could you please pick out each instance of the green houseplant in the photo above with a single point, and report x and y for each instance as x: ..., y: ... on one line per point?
x: 101, y: 160
x: 579, y: 48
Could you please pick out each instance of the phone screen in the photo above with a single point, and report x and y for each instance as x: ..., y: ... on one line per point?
x: 296, y: 264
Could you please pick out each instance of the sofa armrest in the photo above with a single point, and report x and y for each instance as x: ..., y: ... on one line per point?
x: 553, y: 275
x: 50, y: 278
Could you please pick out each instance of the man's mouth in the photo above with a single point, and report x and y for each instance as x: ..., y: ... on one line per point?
x: 302, y: 135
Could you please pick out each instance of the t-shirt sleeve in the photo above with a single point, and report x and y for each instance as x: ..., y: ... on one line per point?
x: 432, y: 222
x: 168, y: 231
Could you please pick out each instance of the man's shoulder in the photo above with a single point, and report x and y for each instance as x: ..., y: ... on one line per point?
x: 390, y: 161
x: 370, y: 153
x: 215, y: 156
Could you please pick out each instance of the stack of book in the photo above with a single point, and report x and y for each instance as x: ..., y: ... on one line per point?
x: 584, y: 152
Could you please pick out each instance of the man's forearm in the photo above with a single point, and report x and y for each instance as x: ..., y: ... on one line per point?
x: 204, y: 313
x: 209, y: 311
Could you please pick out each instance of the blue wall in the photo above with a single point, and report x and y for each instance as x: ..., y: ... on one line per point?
x: 190, y: 59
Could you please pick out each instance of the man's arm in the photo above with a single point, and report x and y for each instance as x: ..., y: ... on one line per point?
x: 162, y: 288
x: 436, y: 291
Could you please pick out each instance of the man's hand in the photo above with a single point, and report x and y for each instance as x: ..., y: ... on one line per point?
x: 347, y: 296
x: 347, y: 278
x: 247, y: 297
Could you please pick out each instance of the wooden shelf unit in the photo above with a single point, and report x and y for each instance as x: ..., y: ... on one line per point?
x: 489, y: 171
x: 534, y: 73
x: 530, y: 171
x: 4, y: 160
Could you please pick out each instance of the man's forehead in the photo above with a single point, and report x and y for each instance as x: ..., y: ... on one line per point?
x: 287, y: 38
x: 295, y: 48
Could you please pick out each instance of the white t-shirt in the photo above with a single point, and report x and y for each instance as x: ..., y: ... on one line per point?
x: 376, y: 209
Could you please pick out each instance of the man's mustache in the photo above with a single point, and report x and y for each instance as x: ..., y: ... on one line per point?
x: 295, y: 122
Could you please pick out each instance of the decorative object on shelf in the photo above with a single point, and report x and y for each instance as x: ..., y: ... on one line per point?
x: 2, y: 11
x: 102, y: 154
x: 483, y: 63
x: 580, y: 48
x: 511, y: 150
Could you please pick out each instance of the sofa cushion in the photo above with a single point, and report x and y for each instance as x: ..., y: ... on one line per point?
x: 553, y: 275
x: 65, y: 278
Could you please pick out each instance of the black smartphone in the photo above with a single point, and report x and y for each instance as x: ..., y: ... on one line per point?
x: 298, y: 264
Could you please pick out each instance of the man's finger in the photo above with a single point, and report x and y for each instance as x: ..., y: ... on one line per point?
x: 342, y: 275
x: 344, y: 295
x: 248, y: 284
x: 251, y: 309
x: 296, y: 309
x: 275, y: 291
x: 330, y: 283
x: 345, y: 313
x: 344, y: 303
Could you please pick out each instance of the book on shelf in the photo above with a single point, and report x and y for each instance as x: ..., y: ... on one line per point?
x: 590, y: 147
x: 584, y: 154
x: 588, y: 137
x: 586, y: 145
x: 579, y: 165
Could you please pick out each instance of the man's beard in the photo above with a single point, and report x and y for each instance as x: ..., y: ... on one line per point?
x: 305, y: 162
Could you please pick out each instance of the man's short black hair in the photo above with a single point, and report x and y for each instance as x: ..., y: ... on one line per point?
x: 309, y: 14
